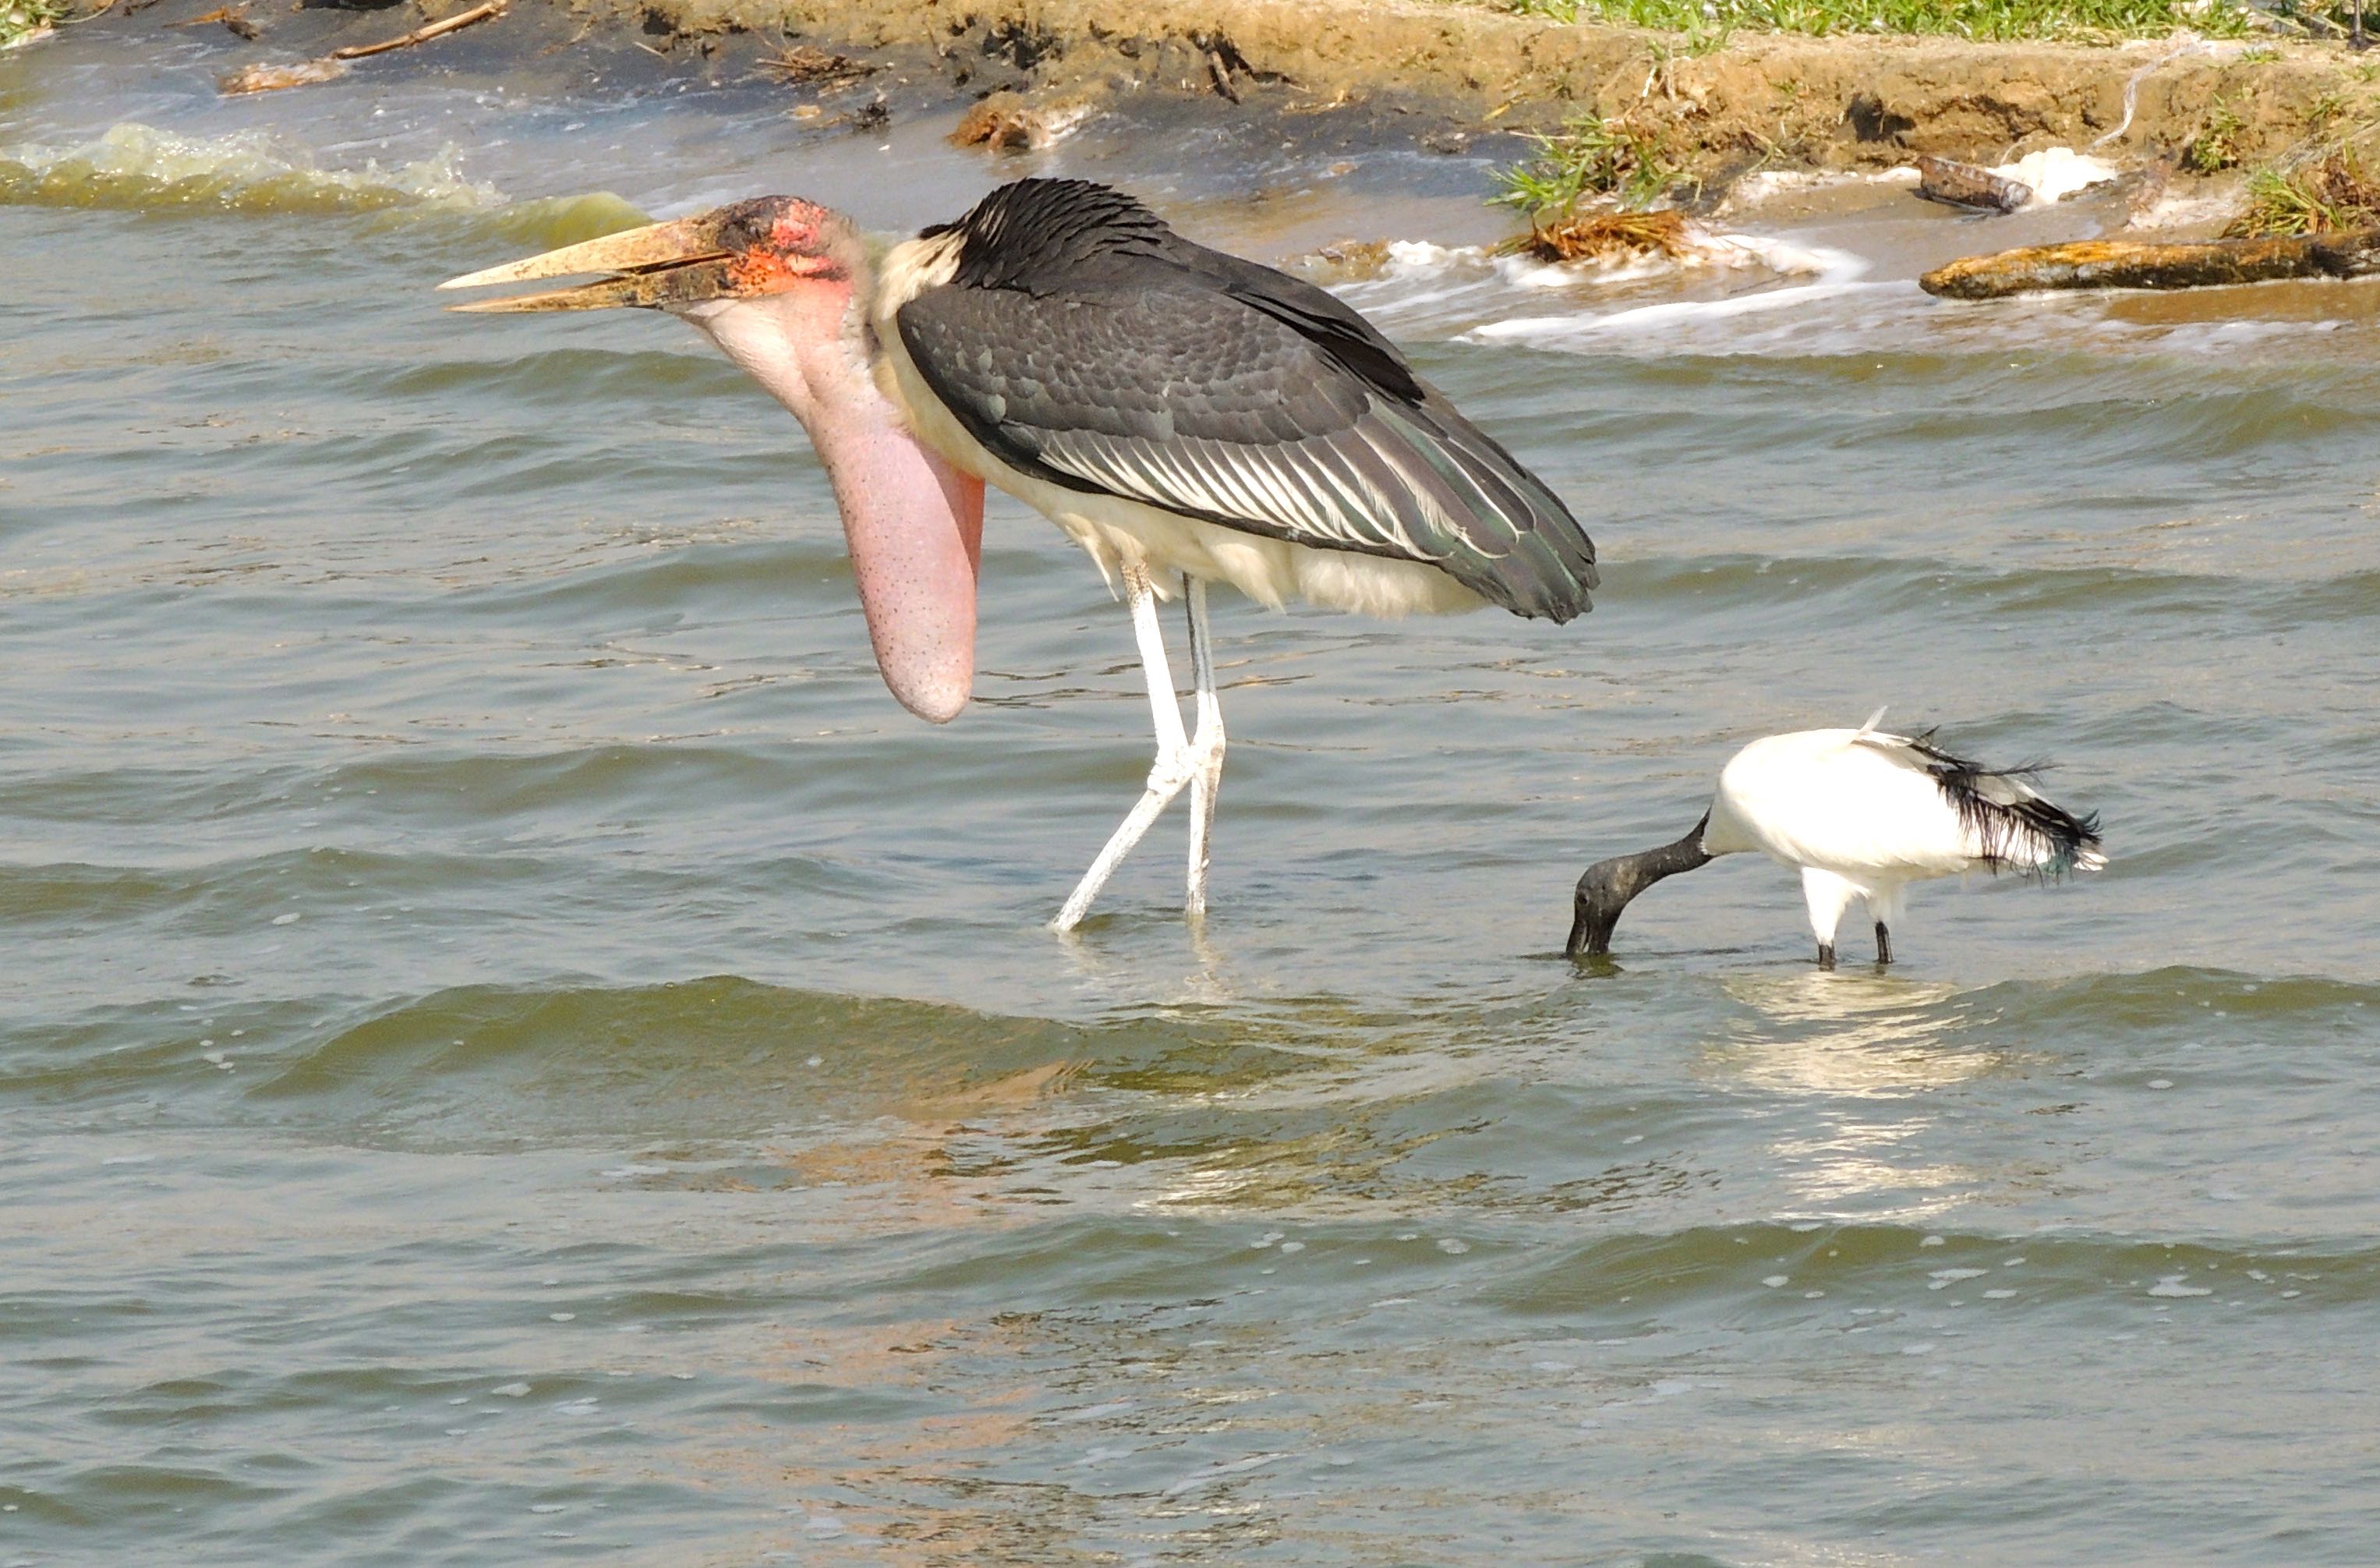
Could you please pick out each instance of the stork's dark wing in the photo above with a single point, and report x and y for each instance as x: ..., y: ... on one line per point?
x: 1220, y: 390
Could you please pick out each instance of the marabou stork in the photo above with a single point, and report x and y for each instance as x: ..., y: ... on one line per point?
x: 1186, y: 417
x: 1861, y: 814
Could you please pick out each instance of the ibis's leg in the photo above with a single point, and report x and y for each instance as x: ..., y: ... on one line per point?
x: 1828, y: 895
x: 1172, y: 768
x: 1886, y: 904
x: 1206, y: 749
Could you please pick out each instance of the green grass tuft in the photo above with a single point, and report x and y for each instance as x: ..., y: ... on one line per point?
x: 1589, y: 157
x: 2002, y: 21
x: 2214, y: 146
x: 20, y: 19
x: 2326, y: 196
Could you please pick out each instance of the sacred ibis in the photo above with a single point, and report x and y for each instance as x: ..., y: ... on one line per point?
x: 1186, y: 417
x: 1861, y: 814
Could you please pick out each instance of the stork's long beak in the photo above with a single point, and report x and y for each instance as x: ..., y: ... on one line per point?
x: 683, y: 262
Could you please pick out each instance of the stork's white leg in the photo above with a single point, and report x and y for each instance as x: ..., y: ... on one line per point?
x: 1172, y: 768
x: 1206, y: 749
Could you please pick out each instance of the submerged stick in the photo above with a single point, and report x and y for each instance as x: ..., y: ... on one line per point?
x: 272, y: 79
x: 2123, y: 264
x: 454, y: 23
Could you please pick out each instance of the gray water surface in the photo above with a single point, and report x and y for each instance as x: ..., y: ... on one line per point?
x: 513, y: 1049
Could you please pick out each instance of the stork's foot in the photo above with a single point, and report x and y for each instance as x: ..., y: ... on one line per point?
x: 1196, y: 766
x: 1174, y: 769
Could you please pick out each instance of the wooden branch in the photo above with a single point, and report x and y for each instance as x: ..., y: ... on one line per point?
x: 2121, y: 264
x: 332, y: 65
x: 234, y: 18
x: 1965, y: 185
x: 439, y: 28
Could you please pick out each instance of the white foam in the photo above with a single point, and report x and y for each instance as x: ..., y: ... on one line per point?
x: 2175, y: 208
x: 1703, y: 251
x: 1777, y: 255
x: 1420, y: 255
x: 2055, y: 173
x: 1844, y: 278
x: 1766, y: 185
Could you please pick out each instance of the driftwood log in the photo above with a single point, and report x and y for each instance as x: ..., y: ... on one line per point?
x: 2123, y: 264
x: 1965, y: 185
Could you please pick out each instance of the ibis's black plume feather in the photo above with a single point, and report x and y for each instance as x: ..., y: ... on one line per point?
x: 2011, y: 821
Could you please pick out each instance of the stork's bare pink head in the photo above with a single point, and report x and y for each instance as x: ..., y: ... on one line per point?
x: 746, y: 249
x: 783, y: 285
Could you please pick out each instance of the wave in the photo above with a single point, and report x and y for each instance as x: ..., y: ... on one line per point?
x: 1883, y: 583
x: 1818, y: 1269
x: 722, y: 1056
x: 139, y: 167
x: 1418, y: 286
x: 2196, y: 997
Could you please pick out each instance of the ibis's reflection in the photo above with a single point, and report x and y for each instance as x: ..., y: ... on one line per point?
x: 1863, y: 1053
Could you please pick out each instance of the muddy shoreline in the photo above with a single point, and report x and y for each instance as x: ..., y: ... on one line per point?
x: 1448, y: 79
x: 1768, y: 100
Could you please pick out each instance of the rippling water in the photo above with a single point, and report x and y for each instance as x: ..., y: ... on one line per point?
x: 514, y: 1048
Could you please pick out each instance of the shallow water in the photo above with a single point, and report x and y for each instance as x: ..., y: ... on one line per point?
x: 514, y: 1049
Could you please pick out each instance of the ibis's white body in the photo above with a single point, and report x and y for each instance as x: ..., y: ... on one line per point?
x: 1116, y: 532
x: 1858, y: 815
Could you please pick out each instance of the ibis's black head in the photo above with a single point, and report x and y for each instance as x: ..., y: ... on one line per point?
x: 1602, y: 893
x: 1608, y: 886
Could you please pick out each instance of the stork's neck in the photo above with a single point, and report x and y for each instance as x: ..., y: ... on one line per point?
x: 912, y: 267
x: 809, y: 346
x: 914, y: 524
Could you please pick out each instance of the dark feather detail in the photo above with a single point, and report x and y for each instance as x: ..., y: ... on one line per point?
x: 1083, y: 342
x: 2007, y: 817
x: 1034, y: 234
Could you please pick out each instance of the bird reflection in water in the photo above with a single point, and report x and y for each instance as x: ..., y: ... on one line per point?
x: 1863, y: 1052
